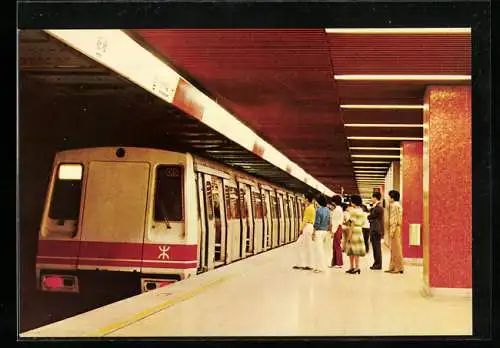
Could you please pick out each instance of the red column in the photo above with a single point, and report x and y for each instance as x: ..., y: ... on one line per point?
x: 412, y: 172
x: 447, y: 187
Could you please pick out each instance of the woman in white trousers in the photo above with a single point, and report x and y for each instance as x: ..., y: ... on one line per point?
x: 320, y: 236
x: 304, y: 242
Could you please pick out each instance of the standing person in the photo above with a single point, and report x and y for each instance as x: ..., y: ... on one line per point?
x: 336, y: 222
x: 345, y: 212
x: 304, y: 242
x: 355, y: 241
x: 376, y: 218
x: 366, y: 228
x: 395, y: 223
x: 320, y: 234
x: 329, y: 238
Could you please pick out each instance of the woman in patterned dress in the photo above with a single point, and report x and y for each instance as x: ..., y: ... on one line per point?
x: 355, y: 240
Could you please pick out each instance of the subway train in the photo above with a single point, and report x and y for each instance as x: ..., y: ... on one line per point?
x: 153, y: 217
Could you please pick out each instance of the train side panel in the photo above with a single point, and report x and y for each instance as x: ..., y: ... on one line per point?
x: 153, y: 217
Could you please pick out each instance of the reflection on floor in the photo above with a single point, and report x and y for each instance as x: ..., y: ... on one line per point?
x: 266, y: 297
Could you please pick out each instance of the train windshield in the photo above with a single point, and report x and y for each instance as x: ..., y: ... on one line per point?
x: 168, y: 195
x: 66, y: 195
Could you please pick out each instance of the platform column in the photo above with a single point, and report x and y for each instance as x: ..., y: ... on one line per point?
x: 447, y: 189
x: 411, y: 200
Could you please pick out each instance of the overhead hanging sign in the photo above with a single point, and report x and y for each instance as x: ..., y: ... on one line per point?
x: 117, y: 51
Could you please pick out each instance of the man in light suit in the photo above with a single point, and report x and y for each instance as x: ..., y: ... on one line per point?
x: 376, y: 218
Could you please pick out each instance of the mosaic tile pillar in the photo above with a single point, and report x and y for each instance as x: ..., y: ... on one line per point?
x: 447, y: 187
x: 411, y: 200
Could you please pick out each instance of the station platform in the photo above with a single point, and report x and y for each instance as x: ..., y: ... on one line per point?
x: 264, y: 296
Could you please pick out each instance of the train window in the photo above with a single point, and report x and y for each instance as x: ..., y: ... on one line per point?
x: 228, y: 204
x: 243, y: 204
x: 280, y: 207
x: 257, y: 207
x: 168, y: 195
x: 209, y: 200
x: 67, y: 192
x: 276, y: 211
x: 264, y: 205
x: 233, y: 211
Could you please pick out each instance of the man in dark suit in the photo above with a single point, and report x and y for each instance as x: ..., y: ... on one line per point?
x: 376, y: 219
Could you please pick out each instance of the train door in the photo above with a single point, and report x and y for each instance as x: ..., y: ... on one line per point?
x: 202, y: 226
x: 210, y: 221
x: 246, y: 219
x: 233, y: 221
x: 291, y: 205
x: 298, y: 215
x: 268, y: 220
x: 282, y: 228
x: 287, y: 218
x: 114, y: 216
x: 301, y: 213
x: 258, y: 221
x: 220, y: 221
x: 276, y: 219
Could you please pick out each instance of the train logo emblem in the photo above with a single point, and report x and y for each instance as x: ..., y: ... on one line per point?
x: 164, y: 252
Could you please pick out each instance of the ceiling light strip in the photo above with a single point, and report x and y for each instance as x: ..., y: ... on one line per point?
x: 403, y: 77
x: 381, y: 106
x: 398, y: 30
x: 376, y: 156
x: 384, y: 138
x: 380, y: 178
x: 384, y: 125
x: 377, y: 171
x: 367, y: 148
x: 370, y: 167
x: 119, y: 52
x: 370, y: 175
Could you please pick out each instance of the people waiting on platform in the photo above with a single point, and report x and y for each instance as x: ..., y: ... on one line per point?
x: 376, y: 218
x: 320, y: 233
x: 304, y: 242
x: 395, y: 224
x: 355, y: 243
x: 336, y: 223
x: 366, y: 228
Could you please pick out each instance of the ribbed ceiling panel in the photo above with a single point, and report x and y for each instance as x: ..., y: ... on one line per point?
x: 279, y: 82
x: 446, y: 54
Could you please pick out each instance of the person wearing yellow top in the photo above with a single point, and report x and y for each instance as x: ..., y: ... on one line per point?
x: 304, y: 242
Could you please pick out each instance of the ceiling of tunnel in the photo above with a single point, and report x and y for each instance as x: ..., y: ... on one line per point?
x: 282, y: 83
x: 279, y: 82
x: 87, y: 105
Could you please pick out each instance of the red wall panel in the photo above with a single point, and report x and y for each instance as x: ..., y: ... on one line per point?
x: 449, y: 122
x: 412, y: 194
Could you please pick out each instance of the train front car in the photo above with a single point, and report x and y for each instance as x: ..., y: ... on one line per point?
x: 118, y: 216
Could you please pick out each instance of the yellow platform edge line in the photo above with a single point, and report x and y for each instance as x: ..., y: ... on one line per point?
x: 149, y: 311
